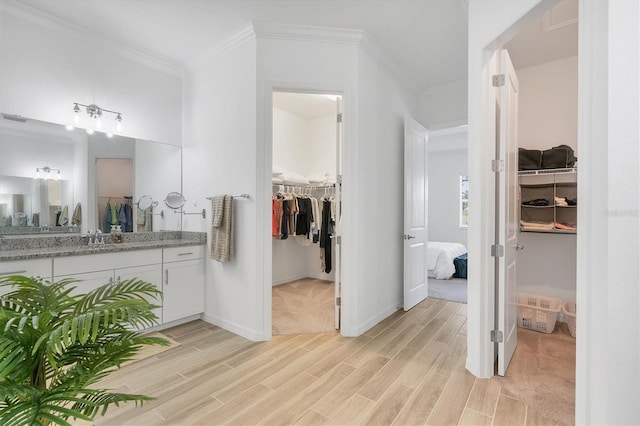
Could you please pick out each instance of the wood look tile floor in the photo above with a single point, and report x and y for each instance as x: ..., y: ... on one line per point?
x: 406, y: 370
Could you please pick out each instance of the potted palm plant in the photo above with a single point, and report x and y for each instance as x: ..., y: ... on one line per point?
x: 56, y: 345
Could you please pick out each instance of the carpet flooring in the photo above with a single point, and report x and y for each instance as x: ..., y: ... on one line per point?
x: 303, y: 306
x: 454, y: 289
x: 542, y: 374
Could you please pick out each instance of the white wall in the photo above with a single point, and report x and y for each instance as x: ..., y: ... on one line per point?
x: 548, y: 116
x: 290, y: 133
x: 444, y: 106
x: 157, y: 182
x: 378, y: 160
x: 46, y: 66
x: 548, y: 105
x: 608, y: 323
x: 219, y: 155
x: 446, y: 165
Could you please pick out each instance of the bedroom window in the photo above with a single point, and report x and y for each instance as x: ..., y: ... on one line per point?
x: 464, y: 202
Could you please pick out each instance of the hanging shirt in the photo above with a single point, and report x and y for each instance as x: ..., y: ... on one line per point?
x: 107, y: 218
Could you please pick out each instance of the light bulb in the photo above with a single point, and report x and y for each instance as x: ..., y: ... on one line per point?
x: 89, y: 131
x: 98, y: 123
x: 119, y: 123
x: 58, y: 175
x: 109, y: 135
x: 76, y: 114
x: 37, y: 173
x: 69, y: 127
x: 47, y: 174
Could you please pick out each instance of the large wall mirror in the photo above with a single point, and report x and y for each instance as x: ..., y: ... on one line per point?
x: 54, y: 180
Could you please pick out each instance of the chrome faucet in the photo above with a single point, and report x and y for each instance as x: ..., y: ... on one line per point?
x: 95, y: 241
x: 101, y: 241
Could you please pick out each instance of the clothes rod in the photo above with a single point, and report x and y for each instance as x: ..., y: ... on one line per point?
x: 246, y: 196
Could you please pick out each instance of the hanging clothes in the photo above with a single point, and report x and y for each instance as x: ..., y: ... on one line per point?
x: 115, y: 207
x: 326, y: 231
x: 107, y: 218
x: 77, y: 215
x: 128, y: 213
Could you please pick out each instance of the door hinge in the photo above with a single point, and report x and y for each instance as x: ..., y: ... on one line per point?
x: 338, y: 301
x: 339, y: 240
x: 497, y: 336
x: 498, y: 80
x: 497, y: 250
x: 339, y: 179
x: 340, y: 118
x: 497, y: 165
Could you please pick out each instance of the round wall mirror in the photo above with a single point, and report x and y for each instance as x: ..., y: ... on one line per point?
x: 174, y: 200
x: 145, y: 202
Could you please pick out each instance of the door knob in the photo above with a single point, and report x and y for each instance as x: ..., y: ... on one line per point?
x: 519, y: 247
x: 408, y: 237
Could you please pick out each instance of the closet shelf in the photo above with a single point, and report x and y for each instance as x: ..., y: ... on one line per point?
x: 537, y: 207
x: 549, y: 231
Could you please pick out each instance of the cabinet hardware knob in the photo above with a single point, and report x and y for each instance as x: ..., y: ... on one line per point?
x: 166, y: 276
x: 185, y: 254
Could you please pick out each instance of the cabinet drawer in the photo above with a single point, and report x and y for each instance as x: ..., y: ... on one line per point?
x: 101, y: 262
x: 30, y: 268
x: 178, y: 254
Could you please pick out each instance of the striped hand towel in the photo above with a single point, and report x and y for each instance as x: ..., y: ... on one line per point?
x: 222, y: 228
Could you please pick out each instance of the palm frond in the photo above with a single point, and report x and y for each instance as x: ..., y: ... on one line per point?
x: 55, y: 344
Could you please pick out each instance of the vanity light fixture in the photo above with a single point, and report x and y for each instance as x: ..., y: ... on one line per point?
x: 45, y: 173
x: 96, y: 112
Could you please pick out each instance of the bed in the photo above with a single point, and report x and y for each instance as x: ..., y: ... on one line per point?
x: 440, y: 257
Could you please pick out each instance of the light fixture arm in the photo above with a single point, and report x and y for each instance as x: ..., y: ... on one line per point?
x: 94, y: 110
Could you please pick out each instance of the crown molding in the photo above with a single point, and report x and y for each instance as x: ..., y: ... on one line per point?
x: 230, y: 43
x: 333, y: 35
x: 62, y: 26
x: 271, y: 30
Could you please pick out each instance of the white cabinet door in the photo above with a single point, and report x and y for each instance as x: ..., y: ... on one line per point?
x: 183, y: 289
x: 27, y: 267
x: 149, y: 273
x: 88, y: 281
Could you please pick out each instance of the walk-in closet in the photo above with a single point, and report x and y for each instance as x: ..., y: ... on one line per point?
x: 305, y: 212
x: 545, y: 58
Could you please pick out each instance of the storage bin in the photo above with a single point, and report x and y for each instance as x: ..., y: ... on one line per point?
x: 569, y: 309
x: 538, y: 313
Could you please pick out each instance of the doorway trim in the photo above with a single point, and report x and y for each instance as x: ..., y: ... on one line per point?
x: 264, y: 182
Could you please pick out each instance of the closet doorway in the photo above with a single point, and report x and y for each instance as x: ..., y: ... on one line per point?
x: 306, y: 204
x: 545, y: 60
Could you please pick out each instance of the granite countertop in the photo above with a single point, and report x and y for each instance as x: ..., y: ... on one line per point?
x: 35, y: 247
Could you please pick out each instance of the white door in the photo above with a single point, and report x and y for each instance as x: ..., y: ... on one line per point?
x: 338, y: 228
x: 415, y: 213
x: 507, y: 217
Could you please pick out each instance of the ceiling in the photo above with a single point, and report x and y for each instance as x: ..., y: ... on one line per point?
x: 553, y: 36
x: 415, y: 34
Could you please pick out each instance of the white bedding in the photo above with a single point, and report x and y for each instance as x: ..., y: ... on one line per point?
x: 440, y: 259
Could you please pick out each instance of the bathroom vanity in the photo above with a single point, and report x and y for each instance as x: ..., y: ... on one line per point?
x: 171, y: 260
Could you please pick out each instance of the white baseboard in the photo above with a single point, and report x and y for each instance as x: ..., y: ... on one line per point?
x: 238, y: 329
x: 359, y: 329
